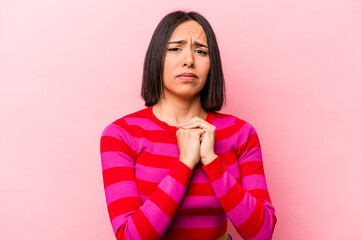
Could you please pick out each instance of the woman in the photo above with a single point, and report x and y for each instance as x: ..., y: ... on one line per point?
x: 178, y: 169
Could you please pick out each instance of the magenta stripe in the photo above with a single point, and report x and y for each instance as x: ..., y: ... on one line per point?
x: 151, y: 174
x: 156, y: 217
x: 119, y: 190
x: 190, y: 202
x: 118, y: 221
x: 266, y: 229
x: 245, y: 207
x: 223, y: 184
x: 164, y: 149
x: 118, y: 132
x: 226, y: 144
x: 132, y: 232
x: 244, y: 133
x: 269, y: 206
x: 254, y: 181
x: 144, y: 123
x: 116, y: 159
x: 198, y: 221
x: 173, y: 188
x: 231, y: 142
x: 254, y: 154
x: 143, y: 198
x: 199, y: 176
x: 234, y: 170
x: 225, y: 122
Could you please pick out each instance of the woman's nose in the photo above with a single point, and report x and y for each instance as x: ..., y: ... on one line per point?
x: 188, y: 59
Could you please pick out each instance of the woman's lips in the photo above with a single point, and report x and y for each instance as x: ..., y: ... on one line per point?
x: 186, y: 78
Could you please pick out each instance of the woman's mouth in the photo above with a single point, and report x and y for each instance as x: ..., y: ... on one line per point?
x: 187, y: 76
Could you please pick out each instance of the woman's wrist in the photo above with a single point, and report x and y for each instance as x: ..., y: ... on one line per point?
x: 209, y: 158
x: 190, y: 163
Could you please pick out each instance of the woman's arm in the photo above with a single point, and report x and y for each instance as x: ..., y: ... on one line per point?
x: 247, y: 205
x: 130, y: 219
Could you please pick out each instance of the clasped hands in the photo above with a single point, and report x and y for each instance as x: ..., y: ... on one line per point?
x: 196, y: 142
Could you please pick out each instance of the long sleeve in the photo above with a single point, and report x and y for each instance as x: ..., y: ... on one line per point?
x: 245, y: 200
x: 129, y: 217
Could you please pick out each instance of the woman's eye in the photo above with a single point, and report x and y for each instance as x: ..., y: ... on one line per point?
x: 173, y: 49
x: 201, y: 52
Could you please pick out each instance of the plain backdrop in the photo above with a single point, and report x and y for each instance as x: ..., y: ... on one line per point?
x: 69, y: 68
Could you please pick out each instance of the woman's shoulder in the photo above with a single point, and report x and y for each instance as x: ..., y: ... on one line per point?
x: 226, y: 120
x: 139, y: 114
x: 126, y: 121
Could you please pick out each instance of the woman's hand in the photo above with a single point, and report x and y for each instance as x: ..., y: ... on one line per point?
x: 207, y: 138
x: 189, y: 145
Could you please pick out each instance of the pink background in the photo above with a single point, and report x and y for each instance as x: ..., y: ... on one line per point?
x: 69, y: 68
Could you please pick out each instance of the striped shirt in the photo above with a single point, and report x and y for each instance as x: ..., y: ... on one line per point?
x: 150, y: 194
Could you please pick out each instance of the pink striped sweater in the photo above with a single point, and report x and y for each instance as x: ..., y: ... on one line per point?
x: 150, y: 194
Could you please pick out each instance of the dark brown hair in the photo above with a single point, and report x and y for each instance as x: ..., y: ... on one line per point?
x: 213, y: 93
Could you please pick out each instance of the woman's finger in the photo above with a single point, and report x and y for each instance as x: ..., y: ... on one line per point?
x: 201, y: 124
x: 192, y: 120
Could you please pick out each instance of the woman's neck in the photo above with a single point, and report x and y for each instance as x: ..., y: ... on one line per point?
x: 173, y: 112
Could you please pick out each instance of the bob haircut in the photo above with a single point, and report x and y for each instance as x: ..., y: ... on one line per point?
x: 213, y: 93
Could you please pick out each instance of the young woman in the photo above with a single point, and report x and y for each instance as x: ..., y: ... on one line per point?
x: 178, y: 169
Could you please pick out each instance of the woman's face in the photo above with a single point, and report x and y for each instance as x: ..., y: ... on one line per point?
x: 186, y: 62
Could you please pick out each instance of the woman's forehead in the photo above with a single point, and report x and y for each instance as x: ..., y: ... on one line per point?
x: 189, y: 29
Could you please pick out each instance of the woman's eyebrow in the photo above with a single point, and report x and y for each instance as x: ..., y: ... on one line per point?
x: 198, y: 44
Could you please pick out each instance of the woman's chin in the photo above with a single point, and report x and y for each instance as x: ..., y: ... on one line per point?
x: 188, y: 96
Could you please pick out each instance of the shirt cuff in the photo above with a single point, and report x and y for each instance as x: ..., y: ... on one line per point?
x: 215, y: 169
x: 182, y: 173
